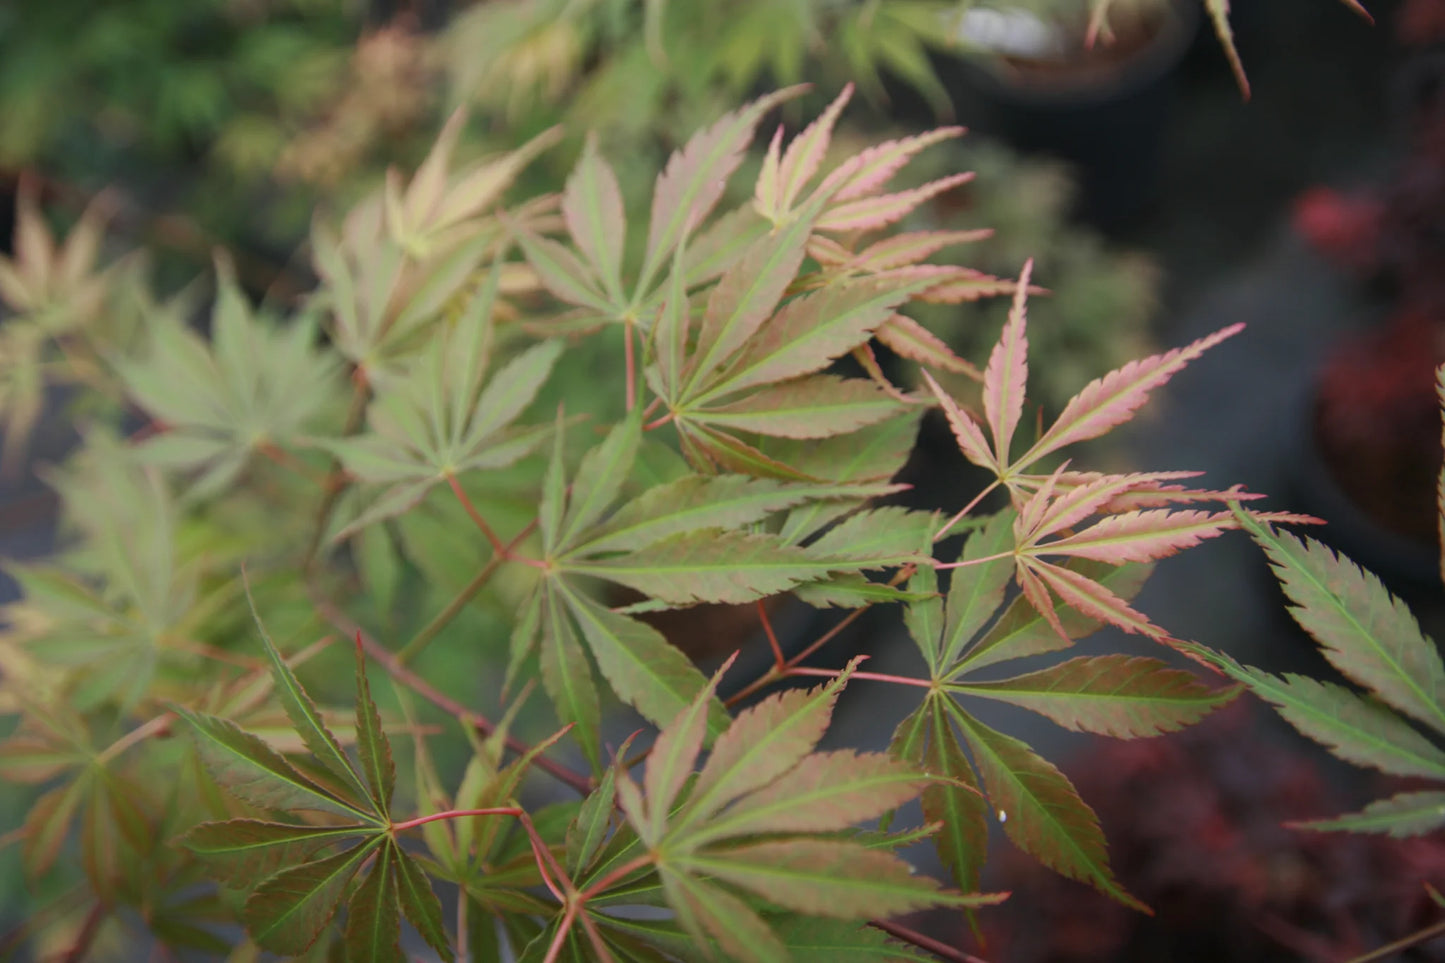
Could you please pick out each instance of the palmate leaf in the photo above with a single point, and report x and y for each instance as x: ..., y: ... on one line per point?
x: 1040, y: 810
x: 1113, y: 695
x: 1365, y: 632
x: 242, y: 851
x: 764, y: 780
x: 450, y: 415
x: 782, y: 179
x: 373, y: 917
x: 254, y: 385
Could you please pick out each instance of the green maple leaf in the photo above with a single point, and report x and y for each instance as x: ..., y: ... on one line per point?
x: 296, y: 878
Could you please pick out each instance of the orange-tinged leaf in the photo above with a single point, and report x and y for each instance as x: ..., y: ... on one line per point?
x: 911, y: 247
x: 809, y: 333
x: 1107, y: 402
x: 1137, y: 536
x: 1113, y: 695
x: 1041, y: 811
x: 875, y: 166
x: 960, y: 285
x: 1062, y: 500
x: 1090, y: 598
x: 695, y: 177
x: 745, y: 297
x: 966, y: 431
x: 907, y: 338
x: 765, y: 192
x: 1023, y: 631
x: 1006, y: 377
x: 813, y: 406
x: 869, y: 213
x: 1219, y: 15
x: 804, y: 155
x: 709, y: 449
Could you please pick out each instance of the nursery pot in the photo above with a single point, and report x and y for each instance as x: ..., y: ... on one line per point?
x: 1371, y: 450
x: 1103, y: 109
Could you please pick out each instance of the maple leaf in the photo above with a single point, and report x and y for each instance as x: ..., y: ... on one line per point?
x: 295, y: 877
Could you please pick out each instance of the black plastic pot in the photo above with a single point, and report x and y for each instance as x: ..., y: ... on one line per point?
x: 1106, y: 120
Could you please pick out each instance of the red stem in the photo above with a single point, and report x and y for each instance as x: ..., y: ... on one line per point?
x: 778, y: 656
x: 652, y: 425
x: 874, y: 676
x: 387, y: 660
x: 923, y: 942
x: 964, y: 510
x: 454, y: 814
x: 476, y: 516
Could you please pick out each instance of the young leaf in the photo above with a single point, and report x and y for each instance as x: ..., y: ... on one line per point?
x: 1022, y: 631
x: 813, y: 406
x: 695, y: 177
x: 600, y: 476
x: 803, y: 157
x: 1006, y: 377
x: 807, y: 334
x: 1107, y: 402
x: 288, y: 911
x: 1113, y: 695
x: 698, y: 502
x: 1040, y: 809
x: 1365, y: 632
x: 825, y: 791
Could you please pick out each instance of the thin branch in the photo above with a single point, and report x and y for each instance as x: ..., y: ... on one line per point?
x: 388, y: 661
x: 144, y: 731
x: 1404, y: 943
x: 653, y: 425
x: 779, y: 659
x: 874, y: 676
x: 923, y: 942
x: 476, y: 516
x: 964, y: 511
x: 454, y: 814
x: 360, y: 395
